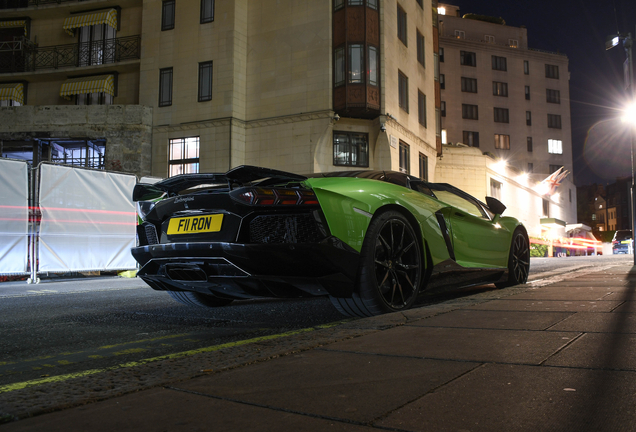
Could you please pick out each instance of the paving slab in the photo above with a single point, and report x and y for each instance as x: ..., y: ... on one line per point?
x: 175, y: 411
x: 548, y: 305
x: 503, y: 320
x: 524, y: 398
x: 355, y: 387
x: 599, y: 350
x: 627, y: 307
x: 598, y: 322
x: 568, y: 294
x: 478, y: 345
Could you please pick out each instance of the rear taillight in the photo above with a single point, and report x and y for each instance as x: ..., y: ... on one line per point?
x: 275, y: 196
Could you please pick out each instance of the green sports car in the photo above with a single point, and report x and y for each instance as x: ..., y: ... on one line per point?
x: 372, y: 241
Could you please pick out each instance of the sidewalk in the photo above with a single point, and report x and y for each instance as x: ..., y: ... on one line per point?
x: 559, y: 357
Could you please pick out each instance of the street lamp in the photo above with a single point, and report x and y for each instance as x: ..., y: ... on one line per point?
x: 627, y: 40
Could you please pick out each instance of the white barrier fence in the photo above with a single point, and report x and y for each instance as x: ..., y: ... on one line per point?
x: 14, y: 217
x: 80, y: 220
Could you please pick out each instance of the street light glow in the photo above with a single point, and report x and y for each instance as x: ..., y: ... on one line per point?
x: 629, y: 115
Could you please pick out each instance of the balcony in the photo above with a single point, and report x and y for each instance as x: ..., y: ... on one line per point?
x: 18, y: 4
x: 22, y: 55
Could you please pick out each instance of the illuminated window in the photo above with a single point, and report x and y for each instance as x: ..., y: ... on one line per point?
x: 502, y: 142
x: 513, y: 43
x: 555, y: 146
x: 495, y: 189
x: 183, y: 156
x: 460, y: 34
x: 441, y: 10
x: 500, y: 89
x: 356, y: 63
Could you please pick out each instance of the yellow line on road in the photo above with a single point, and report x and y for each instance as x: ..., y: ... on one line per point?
x: 59, y: 378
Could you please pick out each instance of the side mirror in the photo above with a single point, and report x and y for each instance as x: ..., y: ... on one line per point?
x: 146, y: 192
x: 495, y: 206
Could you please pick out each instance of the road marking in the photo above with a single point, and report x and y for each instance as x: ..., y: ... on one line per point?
x: 59, y: 378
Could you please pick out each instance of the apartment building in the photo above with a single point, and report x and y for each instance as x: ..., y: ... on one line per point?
x: 160, y: 87
x: 502, y: 96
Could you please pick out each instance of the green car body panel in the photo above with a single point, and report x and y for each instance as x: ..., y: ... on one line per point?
x: 349, y: 204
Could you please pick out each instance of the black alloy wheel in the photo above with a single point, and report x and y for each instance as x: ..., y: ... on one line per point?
x: 391, y: 268
x: 518, y: 261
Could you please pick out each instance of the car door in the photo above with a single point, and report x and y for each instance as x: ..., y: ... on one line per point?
x: 477, y: 240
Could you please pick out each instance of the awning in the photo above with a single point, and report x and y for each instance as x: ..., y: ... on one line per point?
x: 13, y: 91
x: 552, y: 223
x: 94, y: 84
x: 99, y: 17
x: 14, y: 24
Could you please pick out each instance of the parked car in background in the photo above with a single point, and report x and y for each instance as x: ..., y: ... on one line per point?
x: 370, y: 240
x: 623, y: 242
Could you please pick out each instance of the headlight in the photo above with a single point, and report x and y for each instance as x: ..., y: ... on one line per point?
x: 143, y: 208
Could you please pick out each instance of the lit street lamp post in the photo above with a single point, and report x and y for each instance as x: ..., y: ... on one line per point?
x: 630, y: 117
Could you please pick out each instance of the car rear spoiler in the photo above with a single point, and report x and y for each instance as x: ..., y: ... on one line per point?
x: 241, y: 175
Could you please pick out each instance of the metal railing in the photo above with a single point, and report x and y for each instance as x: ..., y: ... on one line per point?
x: 18, y: 4
x: 21, y: 55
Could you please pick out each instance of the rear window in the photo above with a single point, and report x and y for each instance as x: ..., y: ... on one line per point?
x: 623, y: 235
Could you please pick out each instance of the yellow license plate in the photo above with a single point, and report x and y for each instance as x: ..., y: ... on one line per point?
x: 626, y: 242
x: 195, y: 224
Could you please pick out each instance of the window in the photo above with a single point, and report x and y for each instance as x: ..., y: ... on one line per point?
x: 528, y: 118
x: 555, y: 146
x: 489, y: 39
x: 442, y: 81
x: 356, y: 63
x: 460, y: 34
x: 207, y: 11
x: 94, y: 99
x: 96, y: 44
x: 551, y: 71
x: 420, y: 48
x: 442, y: 108
x: 405, y: 159
x: 530, y: 167
x: 421, y: 108
x: 165, y: 87
x: 350, y: 149
x: 184, y: 156
x: 338, y: 4
x: 205, y: 81
x: 435, y: 66
x: 373, y: 66
x: 372, y: 4
x: 501, y: 115
x: 553, y: 96
x: 502, y: 142
x: 339, y: 66
x: 554, y: 121
x: 469, y: 85
x: 403, y: 91
x: 167, y: 15
x: 529, y: 142
x: 470, y: 112
x: 499, y: 63
x: 443, y: 136
x: 467, y: 58
x: 527, y: 92
x: 513, y: 43
x: 401, y: 17
x: 495, y: 189
x: 423, y: 167
x: 500, y: 89
x: 555, y: 168
x: 570, y: 194
x: 526, y: 67
x: 471, y: 138
x: 441, y: 55
x: 546, y: 208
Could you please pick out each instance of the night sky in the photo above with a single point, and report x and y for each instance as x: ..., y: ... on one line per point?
x: 600, y: 141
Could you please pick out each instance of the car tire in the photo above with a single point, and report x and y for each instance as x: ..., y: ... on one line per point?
x: 518, y: 260
x: 191, y: 298
x: 390, y: 271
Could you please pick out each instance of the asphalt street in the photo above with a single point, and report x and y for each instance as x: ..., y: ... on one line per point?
x: 60, y: 327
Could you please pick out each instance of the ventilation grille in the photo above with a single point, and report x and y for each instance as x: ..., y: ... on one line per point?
x: 297, y: 228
